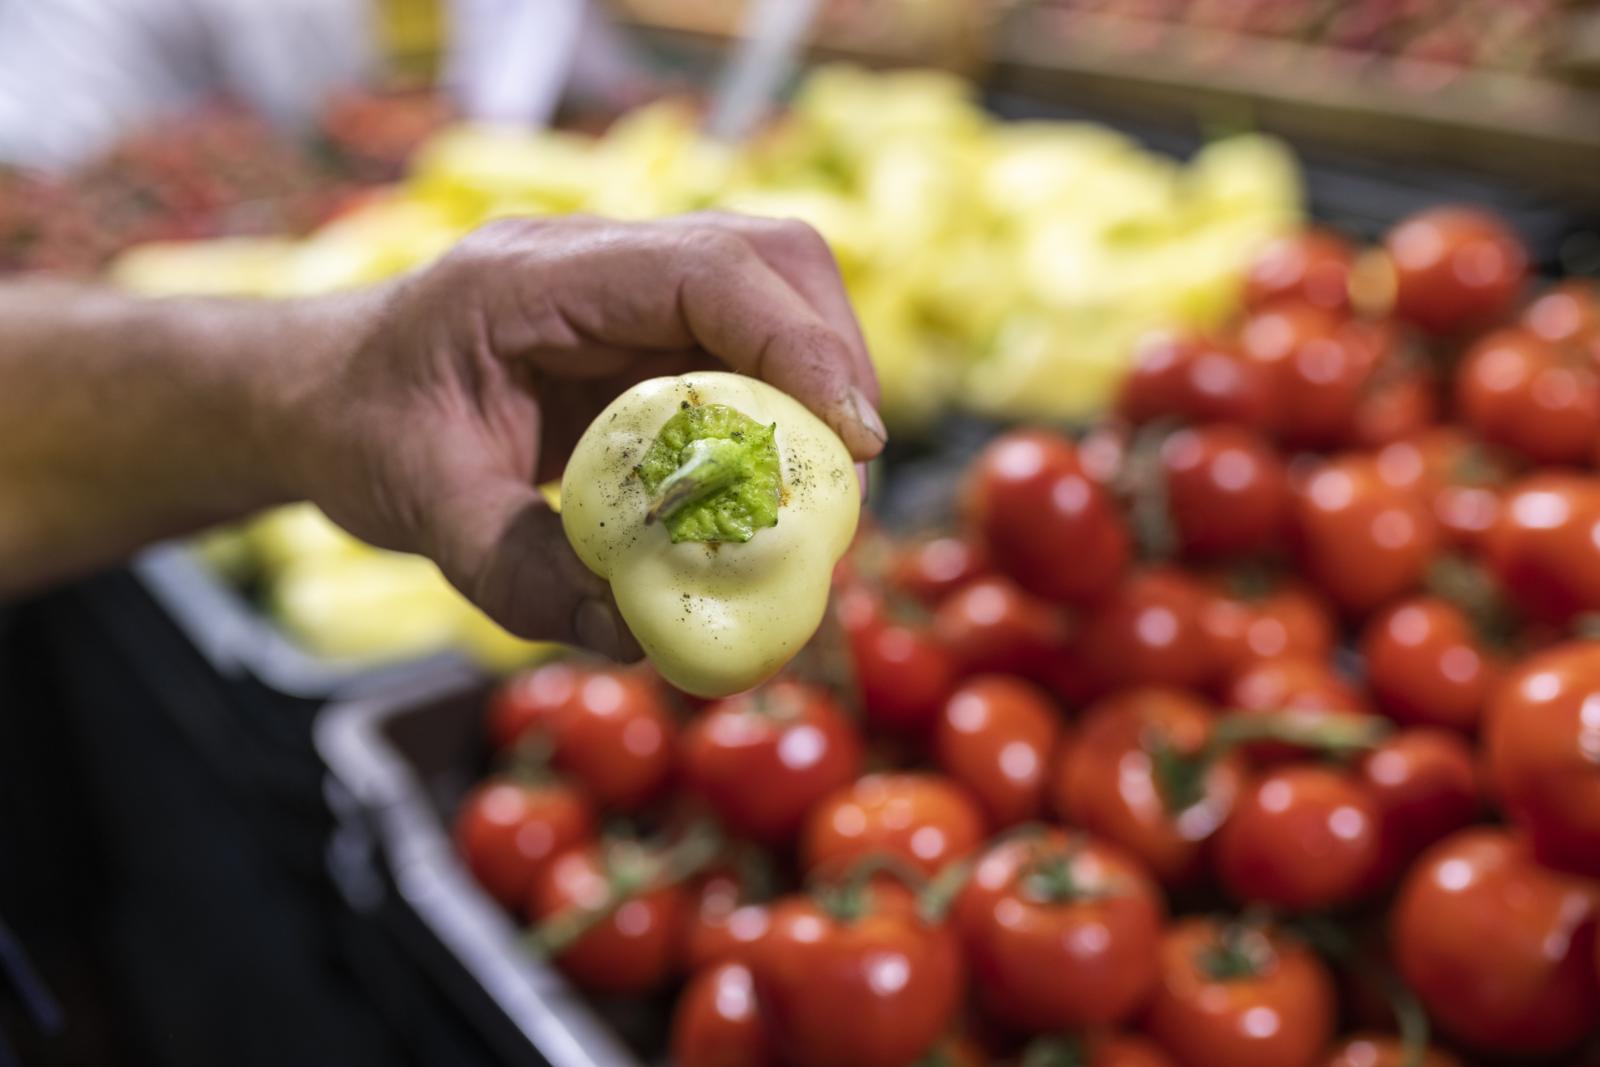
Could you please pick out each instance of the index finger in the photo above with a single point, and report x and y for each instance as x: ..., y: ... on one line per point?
x: 801, y: 256
x: 741, y: 311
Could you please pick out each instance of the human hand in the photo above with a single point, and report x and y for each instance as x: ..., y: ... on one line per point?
x: 467, y: 383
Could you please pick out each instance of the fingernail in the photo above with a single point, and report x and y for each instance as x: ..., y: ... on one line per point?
x: 595, y: 625
x: 867, y: 415
x: 862, y: 477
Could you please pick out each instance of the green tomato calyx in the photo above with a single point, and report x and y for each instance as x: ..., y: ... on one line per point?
x: 713, y: 474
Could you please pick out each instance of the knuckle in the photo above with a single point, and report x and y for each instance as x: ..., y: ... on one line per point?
x: 714, y: 246
x: 803, y: 236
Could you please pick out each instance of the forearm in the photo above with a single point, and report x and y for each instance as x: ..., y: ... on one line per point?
x: 124, y: 420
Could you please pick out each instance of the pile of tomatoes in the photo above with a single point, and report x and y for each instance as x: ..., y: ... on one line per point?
x: 217, y: 170
x: 1254, y: 727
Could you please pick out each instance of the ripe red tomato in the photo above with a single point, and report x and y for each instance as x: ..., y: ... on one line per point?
x: 1532, y: 396
x: 1568, y: 314
x: 1302, y: 838
x: 1044, y: 521
x: 903, y: 672
x: 1460, y: 477
x: 1382, y: 1050
x: 1226, y: 490
x: 1425, y: 784
x: 1312, y: 265
x: 1060, y: 932
x: 532, y: 700
x: 892, y: 984
x: 1426, y: 665
x: 1281, y: 618
x: 1321, y: 368
x: 1499, y: 949
x: 1361, y: 541
x: 1397, y: 402
x: 1294, y: 683
x: 507, y: 831
x: 932, y: 569
x: 925, y: 819
x: 722, y: 924
x: 1455, y: 268
x: 617, y: 739
x: 632, y: 951
x: 1238, y: 996
x: 997, y: 736
x: 1542, y: 742
x: 760, y: 760
x: 718, y: 1023
x: 1193, y: 378
x: 1148, y: 633
x: 1542, y: 546
x: 992, y: 627
x: 1132, y: 774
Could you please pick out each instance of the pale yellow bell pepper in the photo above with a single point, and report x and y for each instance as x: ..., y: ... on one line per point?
x: 716, y: 506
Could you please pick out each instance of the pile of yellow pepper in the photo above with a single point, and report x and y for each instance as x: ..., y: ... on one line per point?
x: 1007, y: 266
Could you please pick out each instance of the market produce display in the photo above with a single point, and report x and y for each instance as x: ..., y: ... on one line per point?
x: 1477, y: 33
x: 216, y: 171
x: 1254, y: 725
x: 1006, y: 267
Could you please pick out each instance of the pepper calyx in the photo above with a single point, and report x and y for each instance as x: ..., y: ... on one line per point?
x: 713, y: 475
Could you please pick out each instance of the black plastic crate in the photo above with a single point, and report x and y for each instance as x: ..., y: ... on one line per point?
x: 227, y: 919
x: 402, y: 763
x: 243, y: 644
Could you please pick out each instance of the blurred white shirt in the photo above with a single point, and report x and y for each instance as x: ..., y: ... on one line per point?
x: 76, y: 74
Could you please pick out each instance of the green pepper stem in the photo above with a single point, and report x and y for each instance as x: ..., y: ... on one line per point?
x: 710, y: 465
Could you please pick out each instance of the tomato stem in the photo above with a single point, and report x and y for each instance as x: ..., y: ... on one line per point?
x: 942, y: 889
x: 1334, y: 733
x: 1141, y: 481
x: 847, y: 898
x: 1586, y: 627
x: 1180, y: 776
x: 757, y: 880
x: 1241, y: 950
x: 1054, y: 1052
x: 530, y: 757
x: 1469, y: 587
x: 1048, y: 879
x: 630, y: 871
x: 1413, y: 1021
x: 1249, y: 580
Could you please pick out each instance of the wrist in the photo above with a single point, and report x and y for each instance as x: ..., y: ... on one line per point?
x: 289, y: 383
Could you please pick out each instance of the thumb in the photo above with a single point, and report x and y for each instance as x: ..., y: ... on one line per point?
x: 502, y: 545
